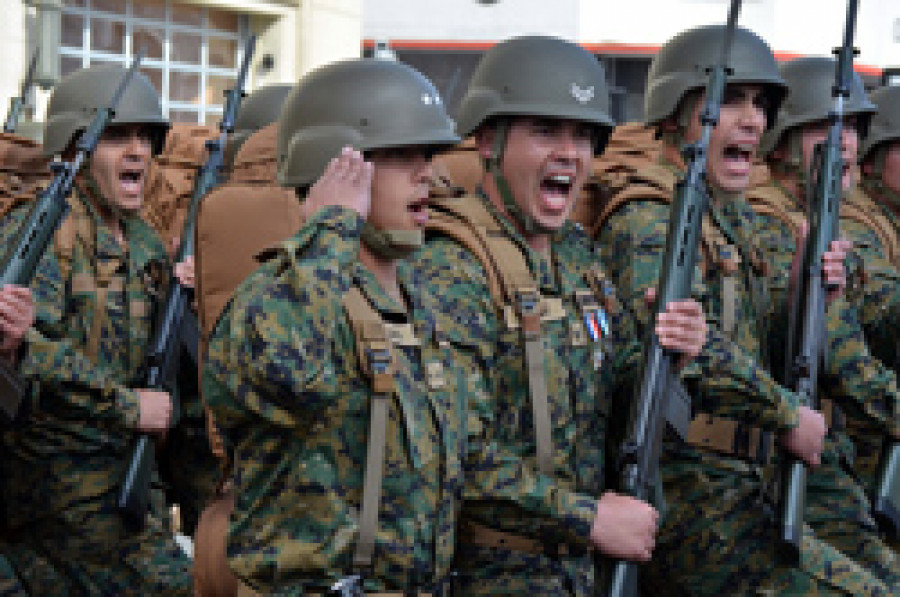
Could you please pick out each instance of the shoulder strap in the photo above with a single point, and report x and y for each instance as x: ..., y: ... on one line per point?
x: 770, y: 201
x: 512, y: 287
x: 862, y: 209
x: 376, y: 359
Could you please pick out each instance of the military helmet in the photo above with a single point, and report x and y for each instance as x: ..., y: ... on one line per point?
x: 682, y: 64
x: 537, y: 76
x: 258, y: 110
x: 78, y: 95
x: 885, y: 125
x: 809, y: 100
x: 366, y: 103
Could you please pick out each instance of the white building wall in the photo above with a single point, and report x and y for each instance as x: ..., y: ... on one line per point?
x: 790, y: 26
x: 469, y: 20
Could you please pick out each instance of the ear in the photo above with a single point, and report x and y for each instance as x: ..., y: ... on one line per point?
x: 867, y: 168
x: 779, y: 154
x: 669, y: 125
x: 484, y: 141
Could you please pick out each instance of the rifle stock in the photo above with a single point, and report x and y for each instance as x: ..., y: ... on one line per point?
x: 174, y: 330
x: 807, y: 341
x: 660, y: 394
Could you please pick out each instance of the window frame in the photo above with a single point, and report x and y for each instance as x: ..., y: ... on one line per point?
x: 166, y: 65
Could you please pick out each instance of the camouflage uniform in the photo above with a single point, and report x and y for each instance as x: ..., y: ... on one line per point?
x: 504, y: 490
x: 68, y: 457
x: 286, y: 385
x: 881, y: 316
x: 719, y: 534
x: 837, y: 506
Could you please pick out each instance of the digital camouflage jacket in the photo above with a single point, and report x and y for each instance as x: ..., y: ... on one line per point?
x: 504, y: 489
x: 65, y: 463
x: 284, y: 379
x: 719, y: 534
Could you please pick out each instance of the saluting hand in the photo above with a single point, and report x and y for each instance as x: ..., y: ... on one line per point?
x: 346, y: 182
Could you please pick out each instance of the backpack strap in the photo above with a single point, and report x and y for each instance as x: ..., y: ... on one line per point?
x: 376, y: 358
x: 514, y: 291
x: 862, y: 209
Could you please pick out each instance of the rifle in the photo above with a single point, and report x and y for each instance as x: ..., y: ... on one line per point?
x: 660, y: 391
x: 21, y: 259
x: 177, y: 325
x: 15, y: 106
x: 807, y: 341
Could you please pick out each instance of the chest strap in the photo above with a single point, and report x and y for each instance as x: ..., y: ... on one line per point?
x: 510, y: 283
x: 373, y: 346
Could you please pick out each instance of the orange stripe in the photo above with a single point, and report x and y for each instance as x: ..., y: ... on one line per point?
x: 594, y: 48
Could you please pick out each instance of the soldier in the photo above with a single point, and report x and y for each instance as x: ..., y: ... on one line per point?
x: 880, y: 165
x: 719, y: 535
x: 327, y: 373
x: 94, y: 293
x: 545, y: 348
x: 838, y: 509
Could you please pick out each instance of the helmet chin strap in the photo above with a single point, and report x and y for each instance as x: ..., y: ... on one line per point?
x: 494, y: 163
x: 391, y: 244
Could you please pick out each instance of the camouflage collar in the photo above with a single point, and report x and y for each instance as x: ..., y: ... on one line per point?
x: 386, y: 306
x: 544, y: 271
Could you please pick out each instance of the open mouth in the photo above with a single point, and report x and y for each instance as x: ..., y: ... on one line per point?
x: 131, y: 180
x: 738, y: 157
x: 418, y: 209
x: 556, y: 189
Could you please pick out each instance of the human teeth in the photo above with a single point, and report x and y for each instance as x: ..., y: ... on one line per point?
x: 561, y: 179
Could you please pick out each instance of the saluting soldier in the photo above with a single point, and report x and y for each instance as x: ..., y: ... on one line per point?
x: 327, y: 373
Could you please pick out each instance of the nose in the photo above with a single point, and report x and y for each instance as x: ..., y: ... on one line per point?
x: 569, y: 145
x: 423, y: 170
x: 753, y: 116
x: 138, y: 144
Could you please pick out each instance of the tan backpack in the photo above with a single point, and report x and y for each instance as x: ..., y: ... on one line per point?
x: 170, y: 180
x: 458, y: 171
x: 24, y: 170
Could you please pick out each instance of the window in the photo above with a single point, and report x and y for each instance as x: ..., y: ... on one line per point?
x: 191, y: 53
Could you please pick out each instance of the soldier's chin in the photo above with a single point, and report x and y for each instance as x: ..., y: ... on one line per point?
x: 130, y: 203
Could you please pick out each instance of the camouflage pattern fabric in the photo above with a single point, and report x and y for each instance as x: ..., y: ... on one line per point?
x: 719, y: 533
x: 884, y: 321
x: 284, y: 381
x: 837, y: 507
x: 67, y: 460
x: 504, y: 490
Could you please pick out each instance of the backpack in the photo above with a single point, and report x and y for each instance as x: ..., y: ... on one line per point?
x: 170, y: 180
x: 24, y: 170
